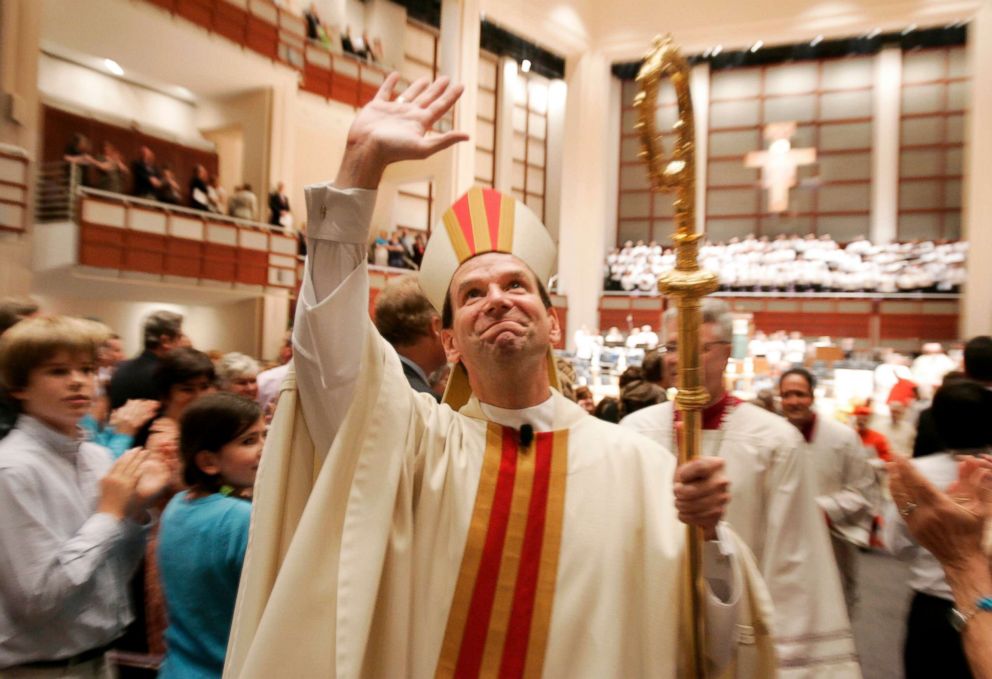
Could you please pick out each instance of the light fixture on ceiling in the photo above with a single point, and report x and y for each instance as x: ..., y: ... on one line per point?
x: 874, y: 33
x: 113, y: 67
x: 525, y: 65
x: 757, y: 46
x: 707, y: 53
x: 909, y: 29
x: 816, y: 41
x: 716, y: 50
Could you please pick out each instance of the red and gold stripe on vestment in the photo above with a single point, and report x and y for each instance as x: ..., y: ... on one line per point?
x: 501, y: 611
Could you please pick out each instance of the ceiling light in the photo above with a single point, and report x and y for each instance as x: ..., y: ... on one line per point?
x: 717, y: 50
x: 909, y: 29
x: 706, y: 54
x: 816, y: 41
x: 757, y: 46
x: 525, y: 65
x: 874, y: 33
x: 113, y: 67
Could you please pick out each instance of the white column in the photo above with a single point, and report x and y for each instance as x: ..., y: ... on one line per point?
x: 699, y: 86
x: 459, y: 59
x: 885, y: 146
x: 557, y: 99
x: 586, y: 163
x: 503, y: 176
x: 976, y: 303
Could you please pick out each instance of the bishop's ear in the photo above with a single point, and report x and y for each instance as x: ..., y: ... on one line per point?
x: 452, y: 354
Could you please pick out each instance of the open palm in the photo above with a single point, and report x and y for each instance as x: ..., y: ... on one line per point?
x: 392, y: 128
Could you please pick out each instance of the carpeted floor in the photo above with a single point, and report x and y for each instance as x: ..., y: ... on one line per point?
x: 880, y: 618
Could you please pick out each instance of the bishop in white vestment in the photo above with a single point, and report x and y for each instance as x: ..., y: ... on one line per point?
x: 396, y: 537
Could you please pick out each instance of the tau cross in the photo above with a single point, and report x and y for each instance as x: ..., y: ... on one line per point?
x: 778, y: 164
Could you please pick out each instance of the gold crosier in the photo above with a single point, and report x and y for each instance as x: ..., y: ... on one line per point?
x: 687, y: 284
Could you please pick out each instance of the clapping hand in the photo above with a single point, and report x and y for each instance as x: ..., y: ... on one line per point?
x: 392, y: 128
x: 702, y: 492
x: 949, y: 525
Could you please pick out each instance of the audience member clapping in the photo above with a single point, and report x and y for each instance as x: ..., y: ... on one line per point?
x: 168, y: 190
x: 244, y: 203
x: 199, y: 198
x: 71, y: 533
x: 111, y: 170
x: 147, y: 175
x: 961, y: 410
x: 204, y: 533
x: 952, y: 526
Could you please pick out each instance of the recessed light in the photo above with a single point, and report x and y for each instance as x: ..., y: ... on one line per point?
x: 757, y: 46
x: 525, y: 65
x: 113, y: 67
x: 717, y: 50
x: 909, y: 29
x: 816, y: 41
x: 874, y: 33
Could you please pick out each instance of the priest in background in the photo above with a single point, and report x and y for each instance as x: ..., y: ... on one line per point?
x: 847, y: 490
x: 772, y: 507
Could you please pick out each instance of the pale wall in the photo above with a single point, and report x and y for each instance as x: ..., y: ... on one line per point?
x: 225, y: 327
x: 105, y: 95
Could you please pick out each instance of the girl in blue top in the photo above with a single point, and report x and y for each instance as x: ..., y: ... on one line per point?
x: 204, y: 532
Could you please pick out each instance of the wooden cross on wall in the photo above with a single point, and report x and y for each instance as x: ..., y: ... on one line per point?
x: 779, y: 164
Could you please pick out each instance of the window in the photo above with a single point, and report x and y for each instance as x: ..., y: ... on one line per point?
x: 530, y: 143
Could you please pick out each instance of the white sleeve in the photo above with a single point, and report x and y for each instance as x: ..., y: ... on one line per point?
x: 853, y: 504
x: 333, y: 306
x: 724, y: 579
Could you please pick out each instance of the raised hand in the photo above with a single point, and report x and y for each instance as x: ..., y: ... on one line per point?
x: 392, y: 128
x: 702, y: 492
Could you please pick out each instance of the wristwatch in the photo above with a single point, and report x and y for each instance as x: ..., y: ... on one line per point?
x: 958, y: 619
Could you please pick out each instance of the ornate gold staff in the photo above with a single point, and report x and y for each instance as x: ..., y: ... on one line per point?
x: 687, y: 284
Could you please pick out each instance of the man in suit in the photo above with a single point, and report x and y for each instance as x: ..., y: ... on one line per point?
x: 278, y: 205
x: 406, y: 319
x: 163, y: 330
x: 147, y: 176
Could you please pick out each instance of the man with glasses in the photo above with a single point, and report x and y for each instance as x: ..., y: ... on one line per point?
x: 772, y: 506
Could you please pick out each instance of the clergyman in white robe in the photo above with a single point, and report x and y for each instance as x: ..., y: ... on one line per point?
x: 773, y: 509
x: 364, y: 516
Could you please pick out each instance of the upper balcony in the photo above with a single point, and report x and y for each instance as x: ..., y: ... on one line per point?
x: 88, y: 241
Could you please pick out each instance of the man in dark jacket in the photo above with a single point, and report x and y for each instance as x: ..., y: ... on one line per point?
x: 135, y: 378
x: 406, y: 319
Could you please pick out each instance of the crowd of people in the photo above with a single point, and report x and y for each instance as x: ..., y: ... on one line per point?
x: 401, y: 249
x: 145, y: 178
x: 799, y: 264
x: 359, y: 46
x: 411, y: 522
x: 96, y: 447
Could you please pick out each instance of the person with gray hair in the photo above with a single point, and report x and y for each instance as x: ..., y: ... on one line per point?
x: 162, y: 331
x: 238, y: 374
x: 772, y: 505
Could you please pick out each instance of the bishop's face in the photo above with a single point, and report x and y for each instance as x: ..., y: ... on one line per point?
x: 497, y: 314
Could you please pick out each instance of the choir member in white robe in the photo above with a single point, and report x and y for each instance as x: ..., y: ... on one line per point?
x: 393, y: 536
x: 772, y: 508
x: 847, y: 491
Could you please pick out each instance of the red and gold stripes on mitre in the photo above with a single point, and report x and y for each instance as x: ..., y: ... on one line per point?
x: 501, y: 611
x: 480, y: 221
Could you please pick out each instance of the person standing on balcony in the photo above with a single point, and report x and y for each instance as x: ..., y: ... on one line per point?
x: 198, y: 189
x: 110, y: 169
x: 147, y: 176
x: 243, y: 204
x: 77, y: 155
x: 279, y: 214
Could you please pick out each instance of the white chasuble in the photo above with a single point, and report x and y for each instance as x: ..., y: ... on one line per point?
x: 414, y: 542
x: 773, y: 510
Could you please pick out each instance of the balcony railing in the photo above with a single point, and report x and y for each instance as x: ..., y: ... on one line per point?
x: 13, y: 189
x: 128, y: 234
